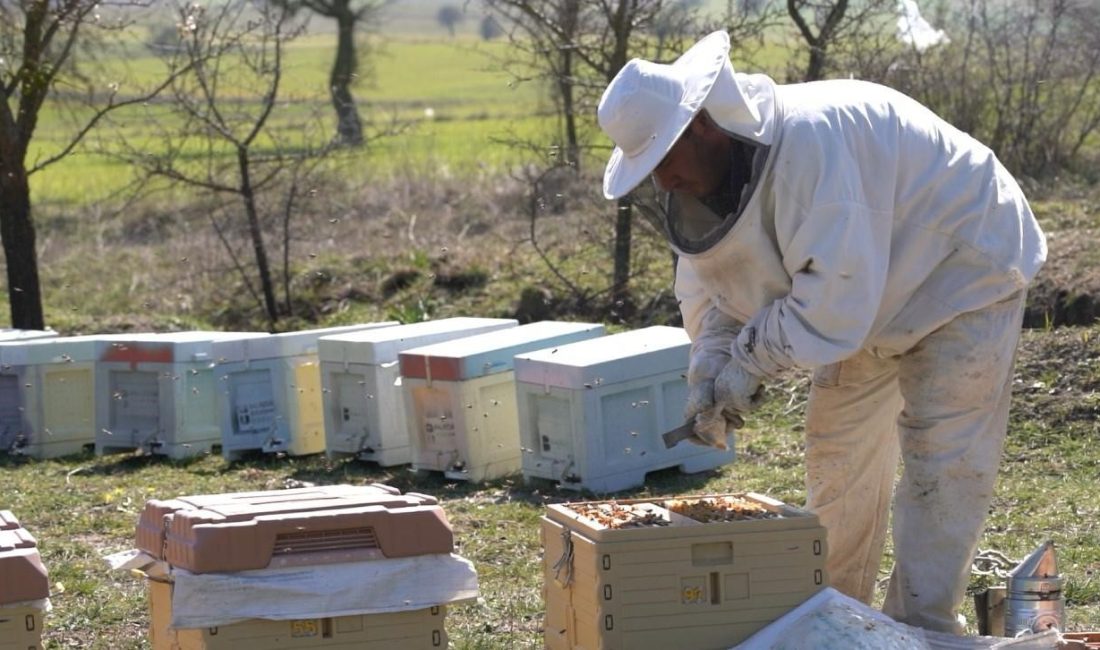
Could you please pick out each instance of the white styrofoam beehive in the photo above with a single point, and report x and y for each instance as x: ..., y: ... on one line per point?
x: 157, y: 393
x: 16, y: 415
x: 8, y: 335
x: 47, y: 388
x: 272, y: 402
x: 592, y: 413
x: 460, y: 398
x: 364, y: 409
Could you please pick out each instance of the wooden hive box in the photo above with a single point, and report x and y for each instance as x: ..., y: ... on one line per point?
x: 422, y: 629
x: 665, y: 580
x: 301, y: 527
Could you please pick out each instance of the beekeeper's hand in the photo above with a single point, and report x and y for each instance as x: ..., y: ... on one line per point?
x: 738, y: 390
x: 713, y: 423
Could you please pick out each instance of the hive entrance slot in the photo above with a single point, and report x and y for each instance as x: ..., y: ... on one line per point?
x: 325, y: 540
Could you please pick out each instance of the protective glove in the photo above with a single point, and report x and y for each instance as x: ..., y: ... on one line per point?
x: 713, y: 423
x: 717, y: 405
x: 738, y: 390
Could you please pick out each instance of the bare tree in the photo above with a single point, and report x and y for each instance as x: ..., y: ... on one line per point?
x: 224, y: 111
x: 824, y: 23
x: 449, y: 16
x: 576, y: 48
x: 349, y: 16
x: 1021, y: 76
x: 38, y: 39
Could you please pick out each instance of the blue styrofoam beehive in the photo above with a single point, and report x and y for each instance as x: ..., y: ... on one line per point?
x: 157, y: 392
x: 48, y: 393
x: 273, y: 401
x: 592, y: 413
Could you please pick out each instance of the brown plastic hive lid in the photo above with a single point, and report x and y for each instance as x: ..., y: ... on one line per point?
x: 234, y: 538
x: 22, y: 576
x: 255, y: 530
x: 150, y: 533
x: 8, y: 520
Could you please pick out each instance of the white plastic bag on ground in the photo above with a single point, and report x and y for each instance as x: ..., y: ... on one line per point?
x: 830, y: 619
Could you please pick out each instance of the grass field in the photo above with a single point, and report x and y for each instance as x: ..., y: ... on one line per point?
x: 447, y: 102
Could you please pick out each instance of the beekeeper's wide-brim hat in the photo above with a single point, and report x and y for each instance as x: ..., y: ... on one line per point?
x: 647, y: 106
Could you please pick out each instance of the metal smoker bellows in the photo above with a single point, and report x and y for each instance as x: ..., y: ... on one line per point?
x: 1034, y: 602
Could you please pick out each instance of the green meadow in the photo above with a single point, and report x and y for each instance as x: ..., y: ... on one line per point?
x: 437, y: 104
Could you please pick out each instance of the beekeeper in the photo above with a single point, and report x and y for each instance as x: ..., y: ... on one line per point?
x: 841, y: 226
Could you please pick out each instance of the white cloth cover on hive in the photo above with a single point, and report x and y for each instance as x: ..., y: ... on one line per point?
x: 325, y: 590
x: 202, y: 600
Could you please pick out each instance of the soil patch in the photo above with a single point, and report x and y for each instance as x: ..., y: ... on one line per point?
x: 1067, y: 289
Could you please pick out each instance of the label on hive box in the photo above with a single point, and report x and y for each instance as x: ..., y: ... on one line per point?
x: 439, y: 428
x: 693, y: 590
x: 256, y: 417
x: 305, y: 628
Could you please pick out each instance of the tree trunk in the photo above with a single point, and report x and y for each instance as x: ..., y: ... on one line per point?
x: 249, y: 195
x: 815, y: 71
x: 349, y: 126
x: 569, y: 19
x: 620, y: 284
x: 624, y: 212
x: 565, y: 87
x: 20, y: 252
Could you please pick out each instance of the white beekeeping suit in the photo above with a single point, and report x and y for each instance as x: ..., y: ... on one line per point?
x: 886, y: 250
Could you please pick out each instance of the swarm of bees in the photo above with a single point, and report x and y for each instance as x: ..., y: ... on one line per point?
x: 614, y: 515
x: 723, y: 508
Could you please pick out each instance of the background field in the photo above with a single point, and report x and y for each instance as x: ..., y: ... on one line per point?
x: 437, y: 222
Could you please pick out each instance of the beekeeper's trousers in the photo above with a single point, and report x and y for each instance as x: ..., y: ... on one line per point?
x: 944, y: 404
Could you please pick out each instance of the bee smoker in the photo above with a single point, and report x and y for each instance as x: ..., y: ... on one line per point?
x: 1033, y: 600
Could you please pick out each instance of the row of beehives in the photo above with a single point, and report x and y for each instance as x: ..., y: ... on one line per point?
x: 474, y: 398
x: 346, y: 566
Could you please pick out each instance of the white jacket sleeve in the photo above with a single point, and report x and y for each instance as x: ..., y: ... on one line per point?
x: 711, y: 330
x: 836, y: 250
